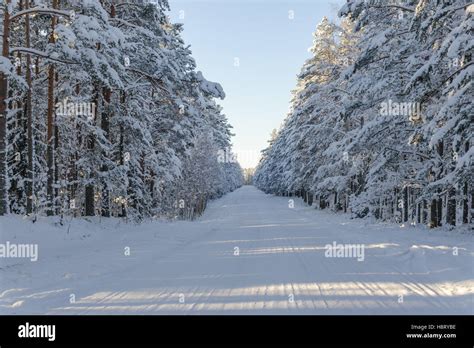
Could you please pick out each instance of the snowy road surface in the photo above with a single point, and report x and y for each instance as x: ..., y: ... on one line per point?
x: 249, y: 254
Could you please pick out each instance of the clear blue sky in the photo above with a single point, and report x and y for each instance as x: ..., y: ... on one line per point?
x: 270, y: 48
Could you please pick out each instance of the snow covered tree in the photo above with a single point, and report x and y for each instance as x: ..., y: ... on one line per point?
x: 102, y: 110
x: 381, y: 122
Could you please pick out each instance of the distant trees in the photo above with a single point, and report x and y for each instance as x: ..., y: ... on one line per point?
x: 102, y: 112
x: 248, y: 176
x: 382, y: 118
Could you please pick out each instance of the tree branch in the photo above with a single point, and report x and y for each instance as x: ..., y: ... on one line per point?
x: 39, y: 54
x: 394, y: 6
x: 40, y: 10
x: 154, y: 80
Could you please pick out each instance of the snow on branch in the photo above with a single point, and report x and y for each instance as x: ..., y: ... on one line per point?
x: 153, y: 79
x: 212, y: 88
x: 124, y: 22
x: 400, y: 7
x: 40, y: 10
x: 42, y: 54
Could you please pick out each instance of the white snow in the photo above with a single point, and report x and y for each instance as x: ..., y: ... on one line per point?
x: 191, y: 267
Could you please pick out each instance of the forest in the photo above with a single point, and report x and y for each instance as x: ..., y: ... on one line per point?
x: 104, y: 113
x: 381, y: 120
x: 122, y: 191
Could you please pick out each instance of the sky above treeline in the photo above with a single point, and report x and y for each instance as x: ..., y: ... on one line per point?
x: 255, y: 49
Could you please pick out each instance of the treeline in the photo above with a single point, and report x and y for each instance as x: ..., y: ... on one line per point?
x: 381, y: 121
x: 102, y: 112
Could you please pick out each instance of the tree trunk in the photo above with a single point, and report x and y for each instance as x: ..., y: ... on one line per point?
x: 451, y: 208
x: 56, y: 170
x: 90, y: 210
x: 424, y: 215
x: 3, y: 113
x: 434, y: 214
x: 90, y: 190
x: 405, y: 204
x: 29, y: 124
x: 419, y: 213
x: 105, y: 125
x: 440, y: 212
x: 465, y: 204
x: 50, y: 125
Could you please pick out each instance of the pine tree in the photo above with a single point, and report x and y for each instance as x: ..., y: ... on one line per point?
x: 381, y: 120
x: 122, y: 113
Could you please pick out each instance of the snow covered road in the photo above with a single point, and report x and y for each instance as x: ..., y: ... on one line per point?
x: 249, y: 254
